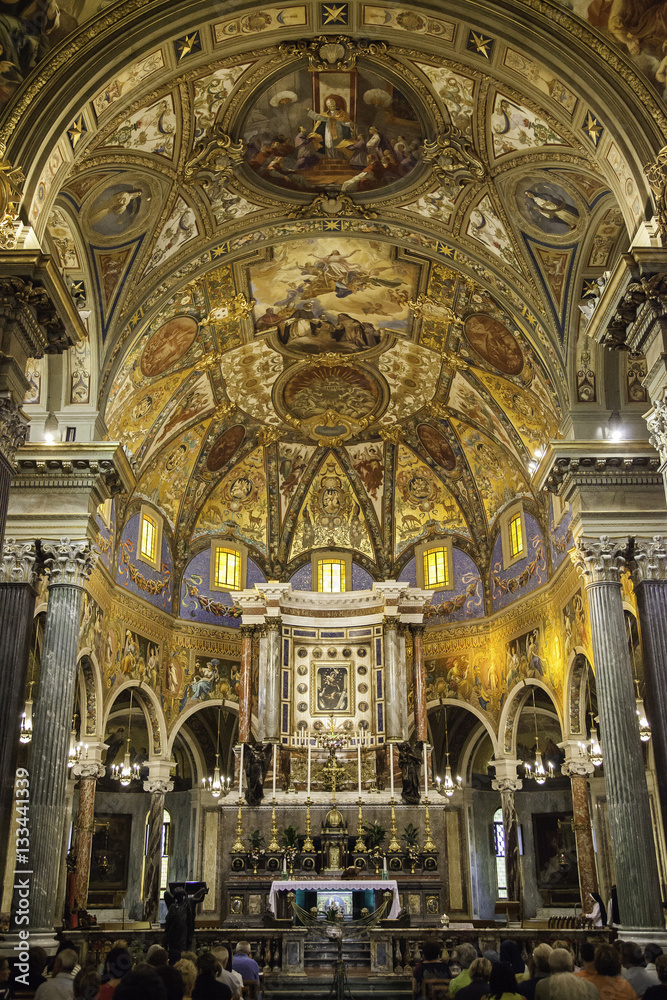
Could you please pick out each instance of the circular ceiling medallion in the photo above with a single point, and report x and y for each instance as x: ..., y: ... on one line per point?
x: 302, y: 670
x: 226, y: 445
x: 168, y: 345
x: 118, y: 207
x: 437, y: 446
x: 549, y: 208
x: 494, y: 342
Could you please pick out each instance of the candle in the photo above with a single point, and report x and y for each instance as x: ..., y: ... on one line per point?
x: 391, y: 768
x: 284, y: 864
x: 384, y: 862
x: 275, y: 762
x: 425, y: 771
x: 308, y: 793
x: 359, y: 765
x: 241, y: 771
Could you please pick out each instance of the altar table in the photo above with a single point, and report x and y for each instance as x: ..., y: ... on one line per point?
x: 336, y: 885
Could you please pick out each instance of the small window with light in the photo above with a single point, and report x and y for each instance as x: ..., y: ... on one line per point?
x: 150, y: 537
x: 331, y: 576
x: 227, y: 569
x: 436, y: 568
x: 516, y: 536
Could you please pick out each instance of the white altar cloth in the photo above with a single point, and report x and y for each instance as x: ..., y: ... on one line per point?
x: 333, y: 885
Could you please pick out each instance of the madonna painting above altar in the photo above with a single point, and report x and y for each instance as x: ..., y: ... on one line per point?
x: 350, y: 130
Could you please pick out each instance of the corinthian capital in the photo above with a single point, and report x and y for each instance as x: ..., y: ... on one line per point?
x: 649, y: 560
x: 69, y: 562
x: 158, y: 785
x: 13, y: 427
x: 598, y: 562
x: 88, y: 769
x: 19, y: 562
x: 657, y: 427
x: 577, y: 767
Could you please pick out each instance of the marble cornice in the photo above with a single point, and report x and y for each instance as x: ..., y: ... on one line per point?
x: 597, y: 463
x: 71, y: 465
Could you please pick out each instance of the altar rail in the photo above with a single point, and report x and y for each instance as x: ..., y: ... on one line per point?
x: 393, y: 951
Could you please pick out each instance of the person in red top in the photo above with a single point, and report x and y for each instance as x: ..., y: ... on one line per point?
x: 608, y: 978
x: 118, y: 963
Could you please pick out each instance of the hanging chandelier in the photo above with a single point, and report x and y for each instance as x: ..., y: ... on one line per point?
x: 537, y: 771
x: 447, y: 786
x: 644, y: 726
x: 126, y: 772
x: 216, y: 784
x: 25, y: 729
x: 77, y: 748
x: 591, y: 747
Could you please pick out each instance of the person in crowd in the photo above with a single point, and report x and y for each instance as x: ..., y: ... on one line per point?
x: 157, y: 956
x: 467, y: 953
x: 207, y: 986
x: 511, y: 952
x: 561, y: 962
x: 598, y: 913
x: 173, y: 981
x: 87, y: 984
x: 5, y: 986
x: 651, y: 953
x: 634, y: 969
x: 608, y: 979
x: 569, y: 986
x: 118, y: 963
x: 430, y: 967
x: 478, y: 987
x: 244, y: 964
x: 502, y: 982
x: 61, y: 984
x: 233, y: 979
x: 142, y: 983
x: 587, y: 954
x: 658, y: 992
x: 188, y: 970
x: 538, y: 966
x: 37, y: 962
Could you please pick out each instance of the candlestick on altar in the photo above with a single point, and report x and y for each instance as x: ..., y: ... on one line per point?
x: 275, y: 764
x: 274, y: 845
x: 428, y: 842
x: 308, y: 791
x: 240, y: 773
x: 391, y: 770
x: 359, y: 766
x: 238, y: 843
x: 426, y: 771
x: 394, y: 846
x: 360, y: 846
x: 308, y: 844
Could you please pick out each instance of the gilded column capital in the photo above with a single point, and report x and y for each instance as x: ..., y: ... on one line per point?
x: 247, y: 631
x: 274, y: 624
x: 656, y: 422
x: 417, y: 628
x: 598, y: 562
x: 391, y: 622
x: 20, y: 562
x: 13, y: 427
x: 403, y: 628
x: 649, y: 560
x: 69, y: 562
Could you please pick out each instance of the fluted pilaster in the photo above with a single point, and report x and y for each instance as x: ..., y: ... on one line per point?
x: 649, y: 572
x: 630, y: 824
x: 70, y: 564
x: 247, y: 632
x: 392, y: 688
x: 274, y: 632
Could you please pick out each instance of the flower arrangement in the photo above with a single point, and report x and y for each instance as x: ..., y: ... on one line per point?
x: 290, y: 855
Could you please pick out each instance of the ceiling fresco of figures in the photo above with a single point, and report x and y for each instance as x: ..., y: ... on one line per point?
x: 332, y: 275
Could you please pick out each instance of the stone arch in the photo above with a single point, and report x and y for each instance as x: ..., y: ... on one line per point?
x: 477, y: 712
x: 150, y: 705
x: 576, y: 680
x: 92, y: 692
x: 214, y: 703
x: 509, y: 719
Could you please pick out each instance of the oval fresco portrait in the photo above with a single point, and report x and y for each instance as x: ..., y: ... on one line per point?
x: 347, y: 391
x: 226, y: 445
x: 118, y: 208
x: 548, y: 207
x: 494, y: 342
x: 168, y: 345
x: 351, y: 132
x: 438, y: 448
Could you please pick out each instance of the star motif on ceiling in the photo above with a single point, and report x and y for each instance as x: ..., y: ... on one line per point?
x: 479, y: 44
x: 220, y: 251
x: 187, y: 45
x: 334, y: 14
x: 593, y: 128
x: 444, y: 250
x: 333, y: 226
x: 76, y: 131
x: 590, y: 287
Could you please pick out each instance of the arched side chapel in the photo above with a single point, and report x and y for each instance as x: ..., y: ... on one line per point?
x: 332, y: 397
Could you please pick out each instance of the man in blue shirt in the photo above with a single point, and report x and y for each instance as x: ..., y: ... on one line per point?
x: 244, y: 964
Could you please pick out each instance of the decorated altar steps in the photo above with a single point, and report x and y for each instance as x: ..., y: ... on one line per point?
x: 321, y: 953
x: 318, y: 987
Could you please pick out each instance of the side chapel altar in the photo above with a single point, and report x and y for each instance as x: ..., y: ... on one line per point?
x: 336, y: 892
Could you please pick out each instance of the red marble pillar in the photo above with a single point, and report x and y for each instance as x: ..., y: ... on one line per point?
x: 578, y: 768
x: 247, y: 632
x: 85, y: 821
x: 419, y: 683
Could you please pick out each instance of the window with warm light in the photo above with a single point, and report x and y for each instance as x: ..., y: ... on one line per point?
x: 148, y: 538
x: 331, y: 576
x: 436, y: 569
x: 516, y: 536
x: 227, y: 569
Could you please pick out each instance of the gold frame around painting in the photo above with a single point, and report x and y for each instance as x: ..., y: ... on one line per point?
x: 350, y: 670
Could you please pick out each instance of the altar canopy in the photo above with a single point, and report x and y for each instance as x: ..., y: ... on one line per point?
x: 337, y: 885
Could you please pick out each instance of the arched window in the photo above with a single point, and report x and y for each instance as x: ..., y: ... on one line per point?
x: 499, y: 851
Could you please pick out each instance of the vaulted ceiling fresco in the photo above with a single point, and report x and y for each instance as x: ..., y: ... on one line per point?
x: 333, y: 265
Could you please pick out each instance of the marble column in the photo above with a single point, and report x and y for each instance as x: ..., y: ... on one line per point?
x: 649, y: 573
x: 261, y: 632
x: 507, y: 783
x: 87, y: 771
x: 158, y: 784
x: 419, y: 682
x: 19, y: 571
x: 630, y: 824
x: 70, y: 563
x: 392, y: 689
x: 402, y: 680
x: 245, y: 681
x: 274, y: 628
x: 13, y: 433
x: 579, y: 768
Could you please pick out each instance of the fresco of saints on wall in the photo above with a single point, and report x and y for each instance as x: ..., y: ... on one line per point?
x: 346, y: 130
x: 212, y: 678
